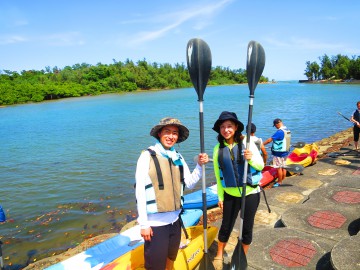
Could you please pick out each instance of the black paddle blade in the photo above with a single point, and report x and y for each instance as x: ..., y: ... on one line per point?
x: 255, y: 64
x: 299, y: 144
x: 238, y: 260
x: 205, y: 263
x: 198, y: 57
x: 337, y: 154
x: 295, y: 168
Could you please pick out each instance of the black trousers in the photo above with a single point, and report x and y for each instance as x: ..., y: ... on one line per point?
x: 231, y: 208
x: 164, y: 244
x: 356, y: 131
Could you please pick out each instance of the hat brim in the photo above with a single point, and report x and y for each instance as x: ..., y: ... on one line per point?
x: 183, y: 132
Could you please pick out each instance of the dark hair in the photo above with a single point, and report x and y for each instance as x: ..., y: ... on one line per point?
x: 237, y: 136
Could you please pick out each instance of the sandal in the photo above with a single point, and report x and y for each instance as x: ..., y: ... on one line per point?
x: 218, y: 263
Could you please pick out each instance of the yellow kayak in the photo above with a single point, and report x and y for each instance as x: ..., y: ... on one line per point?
x: 190, y: 252
x: 305, y: 156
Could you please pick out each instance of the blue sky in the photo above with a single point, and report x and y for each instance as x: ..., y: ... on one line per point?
x: 39, y: 33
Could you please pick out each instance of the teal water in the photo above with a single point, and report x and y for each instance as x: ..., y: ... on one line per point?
x: 67, y: 167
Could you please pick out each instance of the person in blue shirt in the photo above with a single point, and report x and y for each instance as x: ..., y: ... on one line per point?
x: 280, y: 147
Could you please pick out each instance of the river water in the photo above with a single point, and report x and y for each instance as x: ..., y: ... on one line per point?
x: 67, y: 166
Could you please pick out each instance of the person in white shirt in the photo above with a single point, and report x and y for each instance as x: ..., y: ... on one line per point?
x: 161, y: 175
x: 258, y: 142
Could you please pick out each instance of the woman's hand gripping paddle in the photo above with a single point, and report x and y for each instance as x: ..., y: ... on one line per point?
x: 254, y: 66
x: 198, y: 56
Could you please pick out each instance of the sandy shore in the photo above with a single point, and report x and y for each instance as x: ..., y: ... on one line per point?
x: 326, y: 145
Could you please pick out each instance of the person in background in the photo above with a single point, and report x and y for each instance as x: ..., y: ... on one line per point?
x: 228, y: 160
x: 161, y: 174
x: 258, y: 142
x: 280, y: 147
x: 355, y: 118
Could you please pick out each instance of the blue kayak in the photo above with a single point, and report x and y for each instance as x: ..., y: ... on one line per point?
x: 112, y: 248
x: 194, y: 200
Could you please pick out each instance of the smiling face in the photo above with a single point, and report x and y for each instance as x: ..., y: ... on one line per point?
x: 227, y: 130
x: 168, y: 136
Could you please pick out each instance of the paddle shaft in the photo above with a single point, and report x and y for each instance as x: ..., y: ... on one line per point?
x: 254, y: 65
x: 252, y: 85
x: 246, y: 165
x: 198, y: 58
x: 345, y: 117
x: 1, y: 258
x: 203, y: 184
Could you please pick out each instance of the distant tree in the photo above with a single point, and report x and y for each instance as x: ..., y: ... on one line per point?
x: 339, y: 67
x: 326, y: 69
x: 85, y: 79
x: 354, y: 67
x: 312, y: 71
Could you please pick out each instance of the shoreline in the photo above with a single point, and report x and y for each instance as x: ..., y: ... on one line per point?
x: 273, y: 81
x: 327, y: 145
x: 340, y: 81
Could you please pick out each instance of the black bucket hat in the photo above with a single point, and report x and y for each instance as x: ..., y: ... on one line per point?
x: 167, y: 121
x: 225, y: 115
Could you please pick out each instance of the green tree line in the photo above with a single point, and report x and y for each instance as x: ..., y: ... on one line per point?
x: 335, y: 67
x: 84, y: 79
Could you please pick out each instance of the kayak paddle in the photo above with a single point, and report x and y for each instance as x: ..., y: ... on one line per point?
x: 299, y: 145
x: 295, y: 145
x: 198, y: 56
x: 1, y: 258
x: 254, y: 66
x: 294, y: 168
x: 344, y: 117
x: 349, y: 154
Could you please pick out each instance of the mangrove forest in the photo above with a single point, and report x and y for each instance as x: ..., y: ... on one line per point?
x: 84, y: 79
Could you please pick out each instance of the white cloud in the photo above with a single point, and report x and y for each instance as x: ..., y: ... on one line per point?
x: 12, y: 39
x: 202, y: 14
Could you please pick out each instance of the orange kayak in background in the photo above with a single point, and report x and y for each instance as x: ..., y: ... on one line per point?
x: 269, y: 174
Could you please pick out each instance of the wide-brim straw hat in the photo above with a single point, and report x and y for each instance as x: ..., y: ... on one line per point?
x: 227, y: 116
x: 167, y: 121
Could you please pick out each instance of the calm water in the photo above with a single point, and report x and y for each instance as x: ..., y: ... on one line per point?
x: 67, y: 167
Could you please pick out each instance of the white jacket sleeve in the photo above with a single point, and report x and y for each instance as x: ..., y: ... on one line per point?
x: 142, y: 169
x: 192, y: 178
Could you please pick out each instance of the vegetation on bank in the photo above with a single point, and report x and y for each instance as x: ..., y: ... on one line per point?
x: 84, y: 79
x: 339, y: 67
